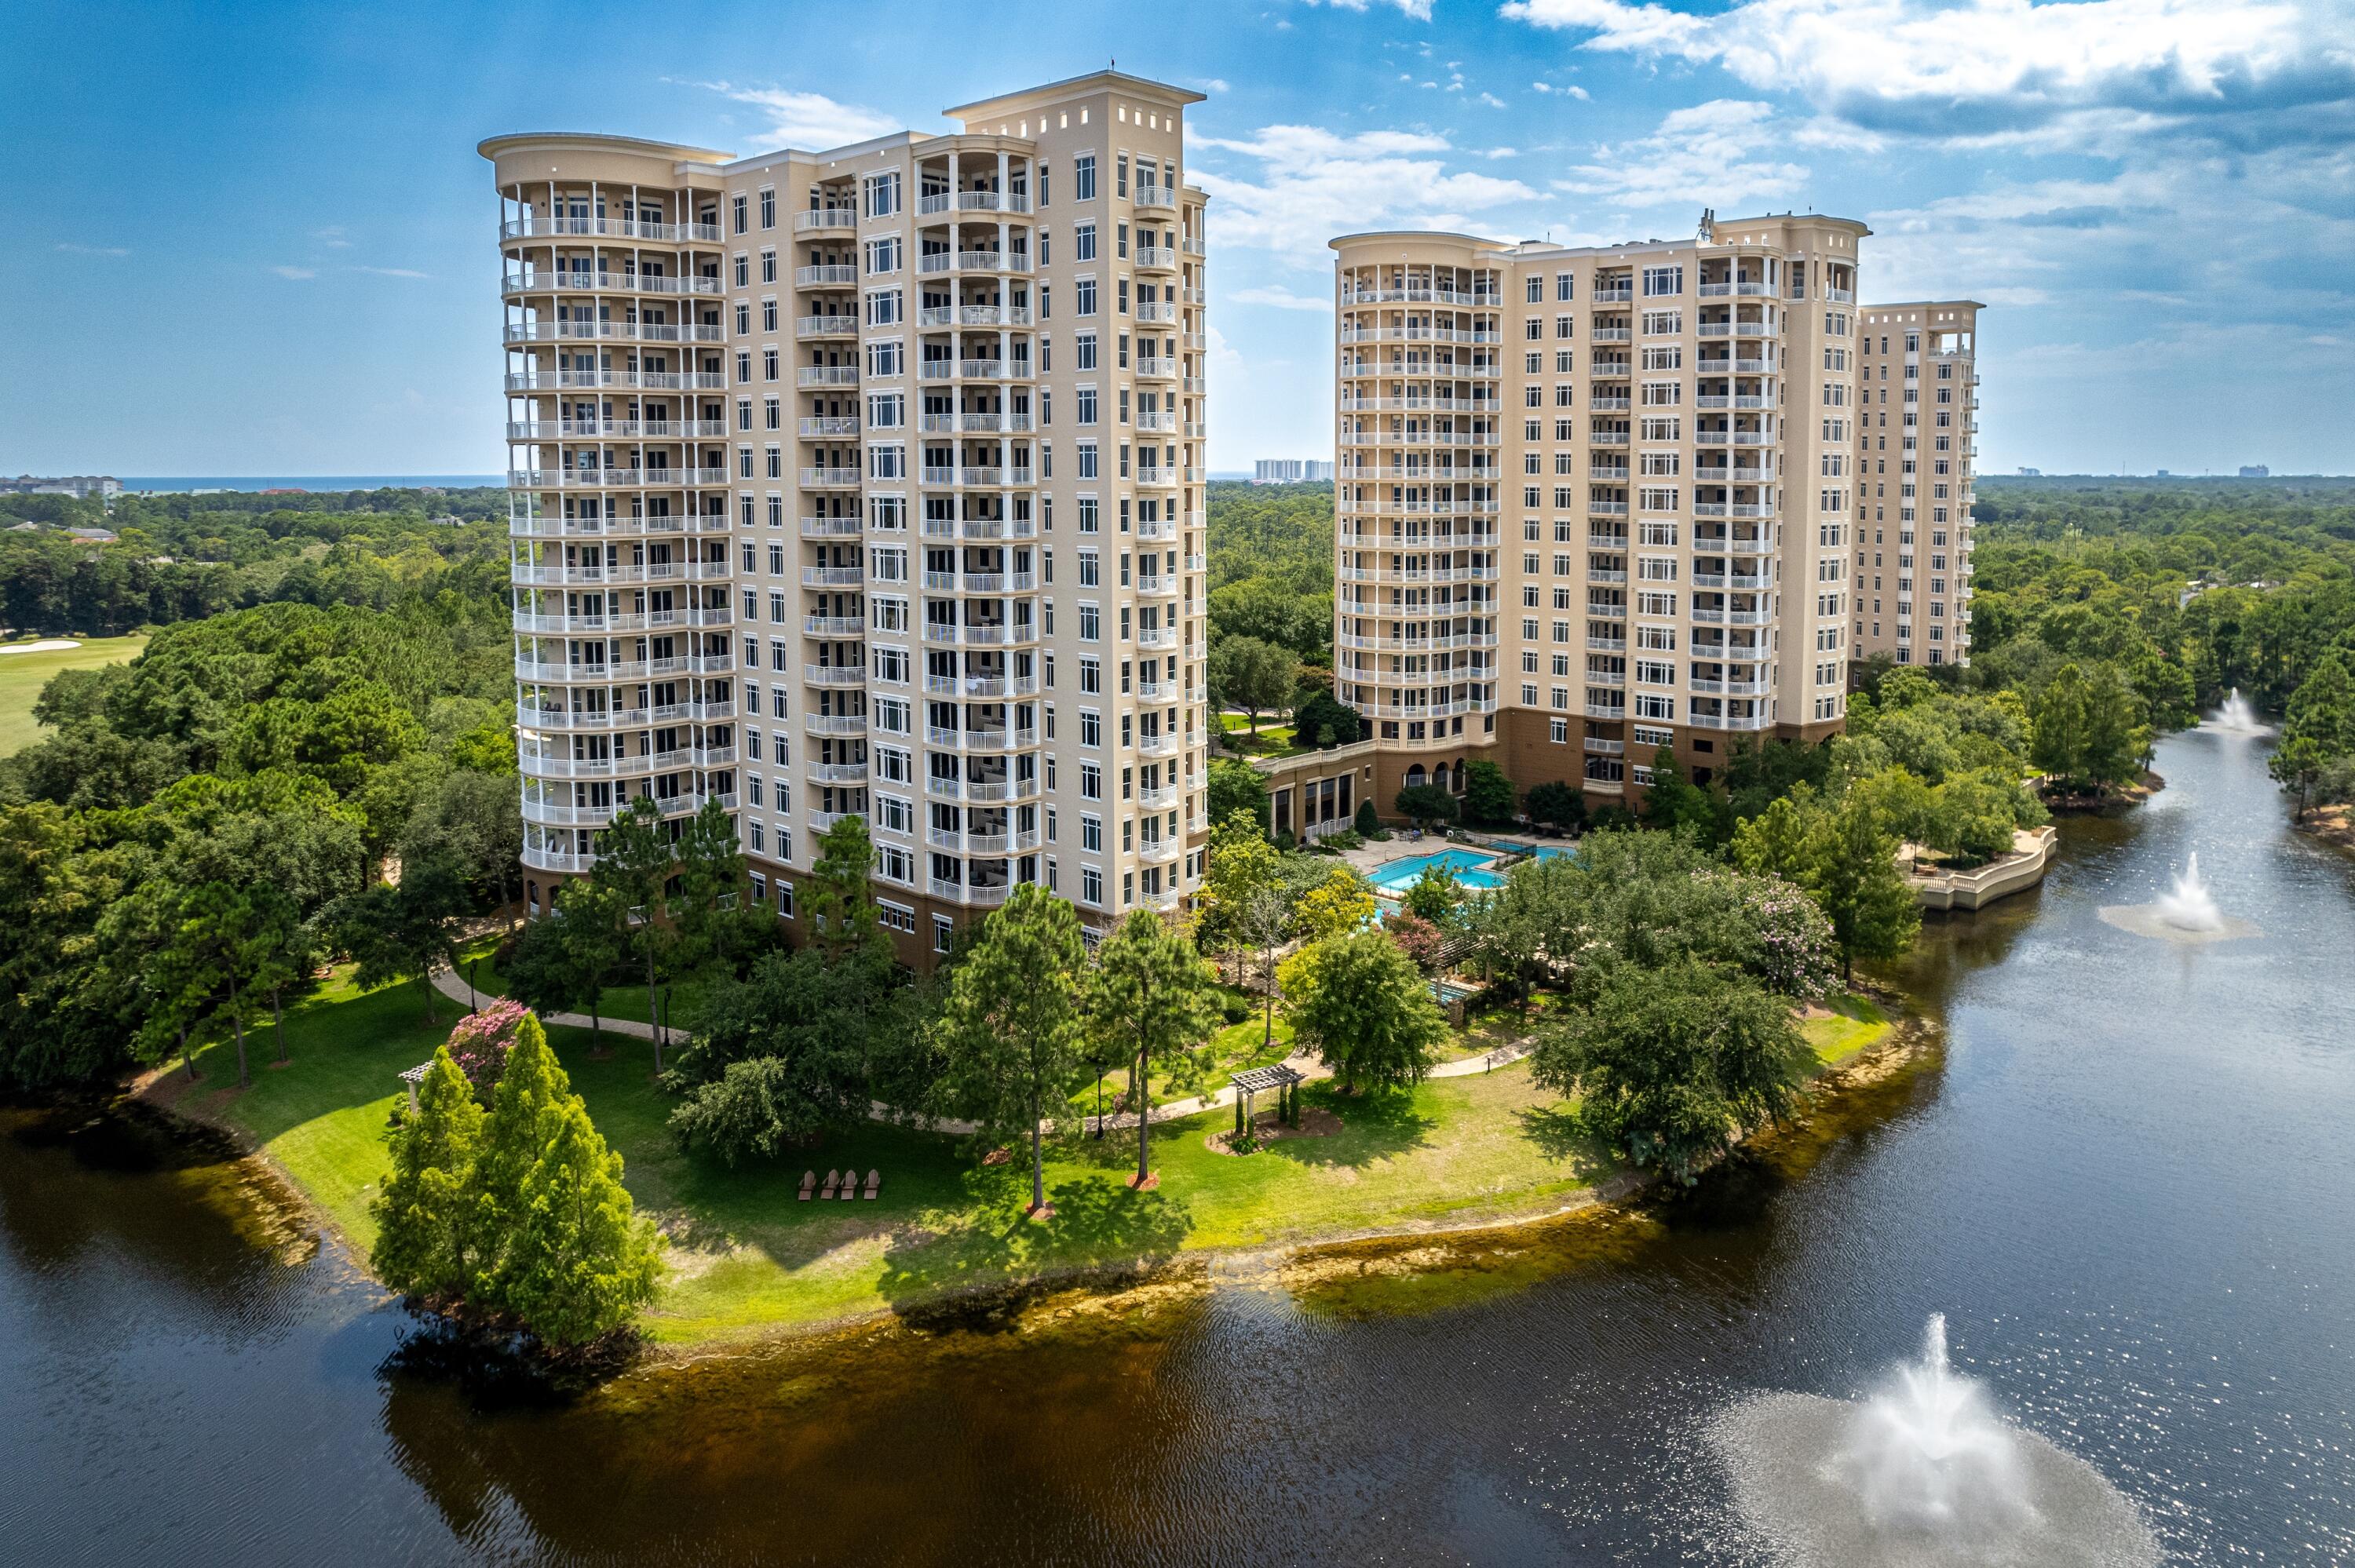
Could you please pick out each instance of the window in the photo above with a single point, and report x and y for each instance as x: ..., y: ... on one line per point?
x: 1084, y: 177
x: 1659, y: 281
x: 882, y: 194
x: 769, y: 209
x: 739, y: 211
x: 1083, y: 242
x: 883, y: 255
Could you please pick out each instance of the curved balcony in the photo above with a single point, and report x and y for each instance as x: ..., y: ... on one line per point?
x: 843, y: 725
x: 834, y: 576
x: 834, y: 675
x: 615, y: 430
x: 831, y: 479
x: 568, y: 281
x: 540, y: 859
x: 1160, y: 851
x: 826, y: 275
x: 614, y: 478
x: 826, y: 376
x: 622, y: 380
x: 538, y: 227
x: 612, y: 331
x: 825, y: 326
x: 593, y: 625
x: 1156, y: 259
x: 607, y: 720
x: 826, y: 219
x: 599, y: 527
x: 524, y: 575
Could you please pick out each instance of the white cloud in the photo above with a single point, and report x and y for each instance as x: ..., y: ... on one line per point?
x: 1986, y: 65
x: 1279, y: 298
x: 297, y: 274
x: 1208, y: 83
x: 70, y: 249
x: 334, y: 237
x: 1703, y: 156
x: 393, y: 271
x: 810, y: 120
x: 1492, y: 101
x: 1578, y: 92
x: 1312, y: 184
x: 1418, y: 9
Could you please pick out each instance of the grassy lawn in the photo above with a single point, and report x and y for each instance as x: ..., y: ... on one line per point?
x: 750, y: 1255
x: 618, y: 1002
x: 1855, y: 1023
x: 22, y: 676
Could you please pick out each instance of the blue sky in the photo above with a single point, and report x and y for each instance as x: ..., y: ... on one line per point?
x: 255, y: 239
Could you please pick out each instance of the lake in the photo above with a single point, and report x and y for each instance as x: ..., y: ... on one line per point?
x: 2128, y: 1179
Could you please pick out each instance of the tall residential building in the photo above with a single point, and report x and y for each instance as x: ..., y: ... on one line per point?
x: 1592, y: 501
x: 868, y: 481
x: 1291, y: 471
x: 1914, y: 481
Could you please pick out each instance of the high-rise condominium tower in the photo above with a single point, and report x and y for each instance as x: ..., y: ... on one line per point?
x: 868, y: 481
x: 1590, y: 502
x: 1916, y: 434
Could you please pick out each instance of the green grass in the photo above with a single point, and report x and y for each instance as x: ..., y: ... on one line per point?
x: 1856, y: 1023
x: 750, y: 1255
x: 618, y: 1002
x: 22, y: 676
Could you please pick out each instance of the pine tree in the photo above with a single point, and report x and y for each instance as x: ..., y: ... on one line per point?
x: 579, y: 1262
x: 571, y: 1261
x: 2059, y: 744
x: 1158, y: 995
x: 429, y: 1216
x: 1009, y: 1030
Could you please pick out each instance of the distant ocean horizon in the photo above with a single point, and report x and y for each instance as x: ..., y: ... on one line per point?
x: 315, y: 482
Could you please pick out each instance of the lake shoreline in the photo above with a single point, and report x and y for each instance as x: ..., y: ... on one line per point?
x: 166, y: 1093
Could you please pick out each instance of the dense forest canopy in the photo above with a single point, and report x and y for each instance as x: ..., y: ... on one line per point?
x: 183, y: 558
x: 2231, y: 584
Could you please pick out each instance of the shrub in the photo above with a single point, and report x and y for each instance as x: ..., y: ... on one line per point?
x: 1369, y: 821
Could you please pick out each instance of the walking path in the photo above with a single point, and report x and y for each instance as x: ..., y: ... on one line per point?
x: 1307, y: 1067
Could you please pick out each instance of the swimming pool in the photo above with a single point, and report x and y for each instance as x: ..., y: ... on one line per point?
x: 1464, y: 865
x: 1540, y: 852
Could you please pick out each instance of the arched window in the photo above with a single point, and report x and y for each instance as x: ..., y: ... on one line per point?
x: 1439, y: 776
x: 1415, y: 777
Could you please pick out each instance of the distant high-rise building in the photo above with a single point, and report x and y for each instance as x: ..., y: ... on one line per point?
x: 794, y: 531
x: 1916, y: 433
x: 2032, y: 474
x: 1591, y: 502
x: 1291, y: 471
x: 2255, y: 471
x: 80, y: 486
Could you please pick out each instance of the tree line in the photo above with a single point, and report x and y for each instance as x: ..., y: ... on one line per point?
x: 185, y: 557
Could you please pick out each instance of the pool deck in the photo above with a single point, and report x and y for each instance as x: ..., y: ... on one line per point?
x: 1369, y: 859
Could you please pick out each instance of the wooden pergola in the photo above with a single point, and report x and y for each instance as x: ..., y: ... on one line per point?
x: 1281, y: 1078
x: 412, y: 1076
